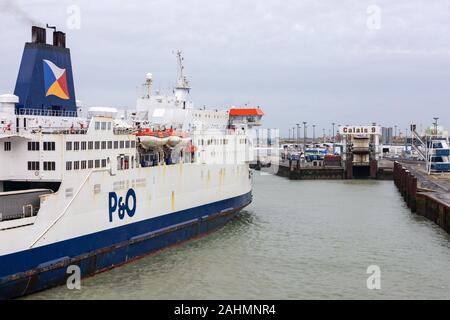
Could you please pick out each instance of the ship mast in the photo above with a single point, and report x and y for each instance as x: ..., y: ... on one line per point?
x: 182, y: 88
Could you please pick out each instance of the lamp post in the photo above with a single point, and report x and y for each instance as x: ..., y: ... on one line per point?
x: 293, y: 134
x: 298, y: 136
x: 333, y: 136
x: 406, y: 141
x: 314, y: 134
x: 435, y: 125
x: 304, y: 135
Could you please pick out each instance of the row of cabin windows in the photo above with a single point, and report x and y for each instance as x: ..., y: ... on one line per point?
x: 219, y: 142
x: 102, y: 125
x: 49, y: 166
x: 97, y: 145
x: 7, y: 146
x: 197, y: 115
x: 213, y: 141
x: 85, y: 164
x: 35, y: 146
x: 35, y: 166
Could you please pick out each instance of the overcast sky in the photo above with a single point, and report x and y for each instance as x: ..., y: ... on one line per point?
x: 316, y: 61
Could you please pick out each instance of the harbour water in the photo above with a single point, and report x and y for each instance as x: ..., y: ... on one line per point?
x: 298, y: 240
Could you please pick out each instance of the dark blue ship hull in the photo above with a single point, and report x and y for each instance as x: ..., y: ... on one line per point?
x: 44, y: 267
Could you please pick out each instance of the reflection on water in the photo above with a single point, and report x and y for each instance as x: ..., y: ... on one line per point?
x: 297, y: 240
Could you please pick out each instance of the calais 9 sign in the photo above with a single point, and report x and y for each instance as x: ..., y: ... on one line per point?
x: 356, y: 130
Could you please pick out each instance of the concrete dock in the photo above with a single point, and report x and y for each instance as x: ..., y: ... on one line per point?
x: 296, y: 170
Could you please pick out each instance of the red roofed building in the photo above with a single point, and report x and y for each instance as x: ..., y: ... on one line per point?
x: 246, y: 112
x: 249, y: 116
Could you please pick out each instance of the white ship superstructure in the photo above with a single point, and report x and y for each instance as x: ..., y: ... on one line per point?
x: 100, y: 190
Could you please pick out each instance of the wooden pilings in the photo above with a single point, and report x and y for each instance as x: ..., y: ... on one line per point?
x: 423, y: 203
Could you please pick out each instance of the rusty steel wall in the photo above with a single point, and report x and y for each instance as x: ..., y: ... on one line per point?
x: 424, y: 203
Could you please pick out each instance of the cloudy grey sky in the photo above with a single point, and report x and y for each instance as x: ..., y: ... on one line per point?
x: 319, y: 61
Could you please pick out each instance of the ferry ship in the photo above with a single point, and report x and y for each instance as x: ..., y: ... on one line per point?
x: 100, y: 188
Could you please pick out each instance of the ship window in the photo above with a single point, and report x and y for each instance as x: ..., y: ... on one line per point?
x: 69, y: 165
x: 97, y: 188
x: 83, y: 164
x: 109, y: 144
x: 33, y: 146
x: 133, y: 144
x: 123, y: 162
x: 97, y: 145
x: 76, y: 165
x: 49, y: 166
x: 127, y: 144
x: 103, y: 145
x: 83, y: 145
x: 97, y: 125
x: 121, y: 144
x: 90, y: 145
x: 103, y: 125
x: 7, y: 145
x: 33, y: 165
x: 103, y: 163
x: 76, y: 145
x: 116, y: 144
x: 90, y: 164
x: 49, y: 146
x: 69, y: 192
x: 69, y: 145
x: 109, y: 125
x: 97, y: 163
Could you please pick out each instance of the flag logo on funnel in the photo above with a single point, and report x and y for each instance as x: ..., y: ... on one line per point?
x: 55, y: 81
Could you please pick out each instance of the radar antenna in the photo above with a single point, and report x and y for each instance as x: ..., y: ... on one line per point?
x: 182, y: 82
x: 182, y: 88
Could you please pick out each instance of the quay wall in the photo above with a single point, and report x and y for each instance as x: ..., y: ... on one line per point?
x: 310, y: 173
x: 295, y: 171
x: 423, y: 202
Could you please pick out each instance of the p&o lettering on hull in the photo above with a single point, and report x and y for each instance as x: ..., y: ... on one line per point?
x: 122, y: 207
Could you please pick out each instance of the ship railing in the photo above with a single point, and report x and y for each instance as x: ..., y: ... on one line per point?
x: 55, y: 130
x: 46, y: 113
x: 235, y: 132
x: 28, y: 211
x: 124, y: 130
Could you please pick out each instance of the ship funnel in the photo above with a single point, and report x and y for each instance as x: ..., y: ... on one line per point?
x: 59, y: 39
x: 38, y: 35
x: 45, y: 81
